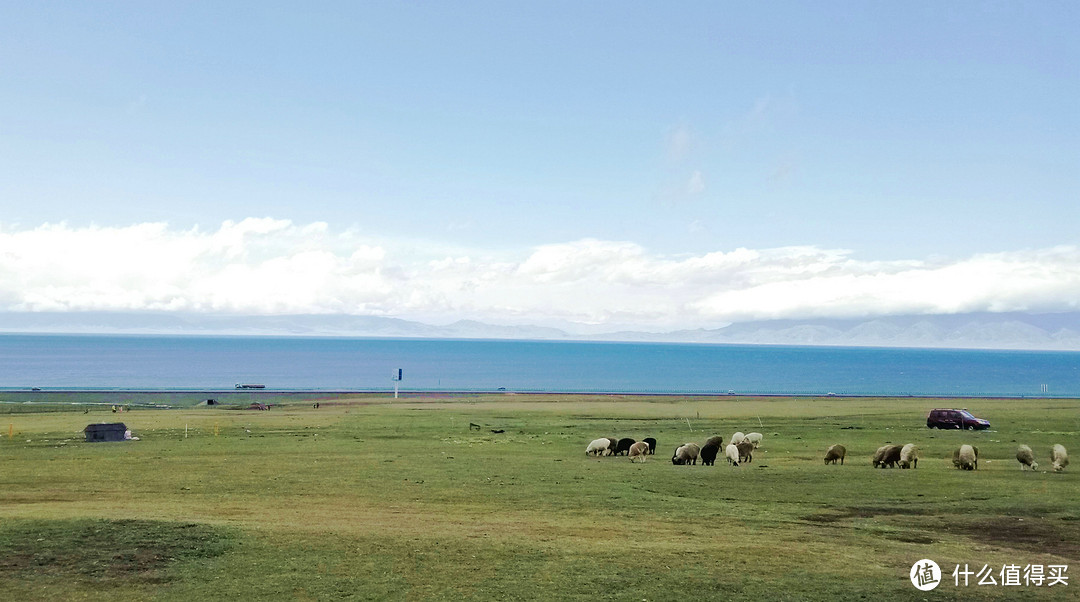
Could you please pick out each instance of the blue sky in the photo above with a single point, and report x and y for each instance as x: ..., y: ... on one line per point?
x: 876, y: 139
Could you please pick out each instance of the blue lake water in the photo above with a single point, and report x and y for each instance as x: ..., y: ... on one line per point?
x: 285, y: 363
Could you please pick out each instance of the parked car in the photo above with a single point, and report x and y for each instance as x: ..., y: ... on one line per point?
x: 955, y: 419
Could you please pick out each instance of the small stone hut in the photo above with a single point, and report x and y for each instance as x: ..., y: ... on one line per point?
x: 105, y: 431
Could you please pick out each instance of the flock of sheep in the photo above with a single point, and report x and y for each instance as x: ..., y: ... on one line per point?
x: 965, y: 457
x: 740, y: 449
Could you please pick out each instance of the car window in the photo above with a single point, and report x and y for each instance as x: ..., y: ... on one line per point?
x: 967, y: 415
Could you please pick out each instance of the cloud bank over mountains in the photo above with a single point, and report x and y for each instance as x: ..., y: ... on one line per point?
x: 271, y: 267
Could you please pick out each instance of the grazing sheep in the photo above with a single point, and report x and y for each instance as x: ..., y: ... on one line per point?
x: 732, y: 453
x: 746, y: 451
x: 1059, y: 457
x: 1026, y: 457
x: 639, y: 449
x: 966, y: 457
x: 652, y: 445
x: 887, y: 456
x: 624, y: 445
x: 708, y: 452
x: 909, y: 456
x: 754, y: 438
x: 686, y: 454
x: 598, y: 447
x: 716, y: 440
x: 737, y: 438
x: 878, y: 455
x: 611, y: 447
x: 834, y: 453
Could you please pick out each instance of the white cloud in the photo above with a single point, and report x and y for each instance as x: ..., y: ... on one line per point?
x: 266, y: 266
x: 696, y: 184
x: 678, y: 142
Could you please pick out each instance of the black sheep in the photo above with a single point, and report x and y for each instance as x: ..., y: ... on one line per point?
x: 623, y: 446
x: 652, y: 445
x: 708, y: 454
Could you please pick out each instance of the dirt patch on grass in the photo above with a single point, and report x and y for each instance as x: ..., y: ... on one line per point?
x: 1059, y: 536
x: 1045, y: 535
x: 911, y: 538
x: 841, y: 514
x: 102, y: 550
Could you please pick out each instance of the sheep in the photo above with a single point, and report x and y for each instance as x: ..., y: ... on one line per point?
x: 737, y: 438
x: 686, y: 454
x: 1026, y: 458
x: 715, y: 440
x: 746, y: 451
x: 1059, y: 458
x: 887, y: 456
x: 624, y: 445
x: 708, y: 452
x: 652, y: 445
x: 879, y: 454
x: 834, y: 453
x: 611, y: 446
x: 754, y: 438
x: 598, y: 447
x: 639, y: 449
x: 732, y: 453
x: 966, y: 457
x: 909, y: 456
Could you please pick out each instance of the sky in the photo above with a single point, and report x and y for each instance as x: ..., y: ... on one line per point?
x: 632, y: 164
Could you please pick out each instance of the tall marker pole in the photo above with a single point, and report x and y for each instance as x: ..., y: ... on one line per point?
x: 397, y: 379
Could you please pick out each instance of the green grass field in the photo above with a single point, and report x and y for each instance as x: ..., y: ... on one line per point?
x: 372, y: 498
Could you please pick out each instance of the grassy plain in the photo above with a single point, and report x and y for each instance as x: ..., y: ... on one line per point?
x: 373, y: 498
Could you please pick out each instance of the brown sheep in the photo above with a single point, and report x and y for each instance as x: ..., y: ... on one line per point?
x: 746, y: 451
x: 639, y: 450
x: 686, y: 454
x: 834, y: 453
x: 887, y: 456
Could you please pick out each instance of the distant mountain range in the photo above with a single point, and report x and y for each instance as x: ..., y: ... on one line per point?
x: 1060, y: 331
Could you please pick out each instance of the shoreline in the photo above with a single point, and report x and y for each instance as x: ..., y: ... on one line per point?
x: 43, y: 395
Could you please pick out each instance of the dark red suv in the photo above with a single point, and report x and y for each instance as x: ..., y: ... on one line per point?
x: 955, y: 419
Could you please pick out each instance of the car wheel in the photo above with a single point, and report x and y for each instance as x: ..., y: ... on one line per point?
x: 971, y: 427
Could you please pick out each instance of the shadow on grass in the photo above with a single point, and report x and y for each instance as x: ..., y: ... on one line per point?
x: 104, y: 551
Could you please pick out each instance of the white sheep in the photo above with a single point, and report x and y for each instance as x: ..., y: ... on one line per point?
x: 732, y: 453
x: 754, y: 438
x: 598, y: 447
x: 639, y: 450
x: 737, y: 438
x: 966, y: 457
x: 909, y: 456
x: 1059, y: 457
x: 1026, y: 457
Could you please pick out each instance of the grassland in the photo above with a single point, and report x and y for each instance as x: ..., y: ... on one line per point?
x: 372, y: 498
